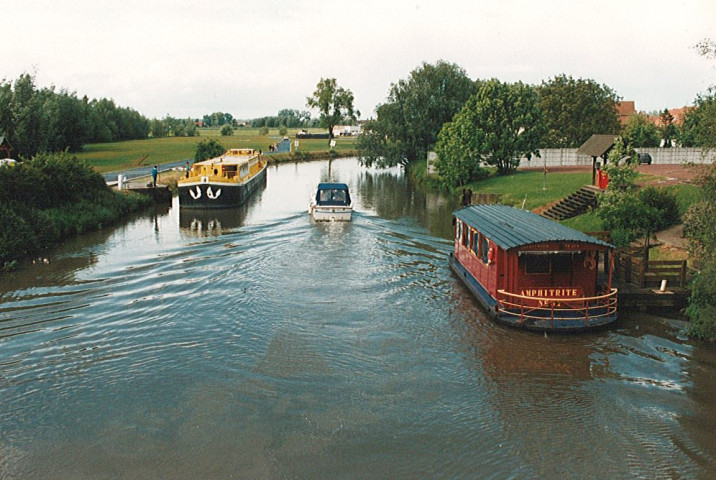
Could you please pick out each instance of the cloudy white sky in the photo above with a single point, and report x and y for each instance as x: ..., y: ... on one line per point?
x: 254, y: 57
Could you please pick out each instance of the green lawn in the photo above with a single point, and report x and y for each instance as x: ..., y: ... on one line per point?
x: 528, y: 187
x: 109, y: 157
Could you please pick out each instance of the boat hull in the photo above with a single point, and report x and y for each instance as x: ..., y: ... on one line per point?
x: 207, y: 195
x: 331, y: 213
x: 544, y: 320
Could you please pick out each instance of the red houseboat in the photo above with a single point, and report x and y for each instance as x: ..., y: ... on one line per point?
x: 531, y: 272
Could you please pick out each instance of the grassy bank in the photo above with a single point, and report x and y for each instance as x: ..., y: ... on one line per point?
x: 111, y: 157
x: 50, y: 198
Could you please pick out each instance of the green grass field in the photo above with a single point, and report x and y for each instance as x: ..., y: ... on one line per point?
x: 531, y: 188
x: 109, y: 157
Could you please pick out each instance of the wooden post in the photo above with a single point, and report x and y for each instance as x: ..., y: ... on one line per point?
x: 642, y: 271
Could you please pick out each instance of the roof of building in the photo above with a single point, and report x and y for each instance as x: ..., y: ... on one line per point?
x: 625, y: 109
x: 597, y: 145
x: 509, y: 227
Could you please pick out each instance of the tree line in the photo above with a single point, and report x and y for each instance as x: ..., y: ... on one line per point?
x: 471, y: 124
x: 37, y: 120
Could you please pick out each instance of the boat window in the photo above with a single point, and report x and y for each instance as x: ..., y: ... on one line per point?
x: 230, y: 171
x: 466, y: 237
x: 562, y: 263
x: 474, y: 241
x: 244, y: 169
x: 339, y: 196
x: 458, y: 229
x: 484, y: 248
x: 536, y: 264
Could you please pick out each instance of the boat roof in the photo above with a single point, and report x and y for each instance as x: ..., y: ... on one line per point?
x: 332, y: 186
x: 510, y: 227
x: 232, y: 156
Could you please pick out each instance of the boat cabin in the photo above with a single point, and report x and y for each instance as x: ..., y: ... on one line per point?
x: 332, y: 194
x: 236, y: 164
x: 530, y: 271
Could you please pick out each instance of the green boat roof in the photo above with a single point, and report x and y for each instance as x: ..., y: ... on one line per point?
x: 509, y: 227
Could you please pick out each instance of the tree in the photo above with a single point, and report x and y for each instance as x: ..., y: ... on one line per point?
x: 699, y: 128
x: 640, y: 132
x: 406, y: 127
x: 700, y: 229
x: 498, y: 125
x: 208, y: 149
x: 667, y: 128
x: 575, y: 109
x: 700, y: 219
x: 334, y: 103
x: 628, y: 212
x: 227, y: 130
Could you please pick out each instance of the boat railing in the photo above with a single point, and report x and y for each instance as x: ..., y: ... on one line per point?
x: 523, y: 308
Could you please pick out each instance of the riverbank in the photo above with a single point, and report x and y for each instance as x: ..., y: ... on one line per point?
x: 51, y: 198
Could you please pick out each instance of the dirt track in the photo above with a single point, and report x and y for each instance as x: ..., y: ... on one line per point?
x: 668, y: 174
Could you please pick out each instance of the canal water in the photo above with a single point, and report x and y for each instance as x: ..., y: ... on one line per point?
x: 254, y: 343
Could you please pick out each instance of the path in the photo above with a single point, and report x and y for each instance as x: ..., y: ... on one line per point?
x: 145, y: 171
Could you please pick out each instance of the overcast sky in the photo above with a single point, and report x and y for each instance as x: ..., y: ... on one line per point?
x: 252, y: 58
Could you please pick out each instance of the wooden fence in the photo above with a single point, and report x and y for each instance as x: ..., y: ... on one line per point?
x: 630, y: 266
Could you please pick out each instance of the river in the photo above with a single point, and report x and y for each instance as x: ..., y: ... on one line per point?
x: 254, y: 343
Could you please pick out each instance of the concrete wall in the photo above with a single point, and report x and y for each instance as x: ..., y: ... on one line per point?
x: 557, y: 157
x: 567, y: 157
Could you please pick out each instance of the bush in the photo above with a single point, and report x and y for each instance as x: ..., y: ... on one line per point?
x: 13, y: 235
x: 227, y: 131
x: 208, y: 149
x: 702, y: 303
x: 664, y: 202
x: 53, y: 197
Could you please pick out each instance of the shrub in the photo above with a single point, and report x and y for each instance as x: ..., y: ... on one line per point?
x: 664, y: 202
x: 208, y: 149
x: 53, y: 197
x: 13, y: 235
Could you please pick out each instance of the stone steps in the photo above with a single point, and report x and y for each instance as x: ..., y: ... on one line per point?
x: 577, y: 203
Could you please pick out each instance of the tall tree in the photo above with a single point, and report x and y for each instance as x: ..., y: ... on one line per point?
x: 334, y: 103
x: 574, y: 110
x: 497, y: 126
x: 407, y: 124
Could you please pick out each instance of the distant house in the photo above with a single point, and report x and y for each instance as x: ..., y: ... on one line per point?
x: 346, y: 130
x: 625, y: 110
x: 677, y: 113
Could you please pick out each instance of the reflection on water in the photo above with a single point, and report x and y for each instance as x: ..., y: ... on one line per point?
x: 211, y: 222
x: 253, y: 343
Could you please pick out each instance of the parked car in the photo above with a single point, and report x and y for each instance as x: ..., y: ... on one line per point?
x: 644, y: 158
